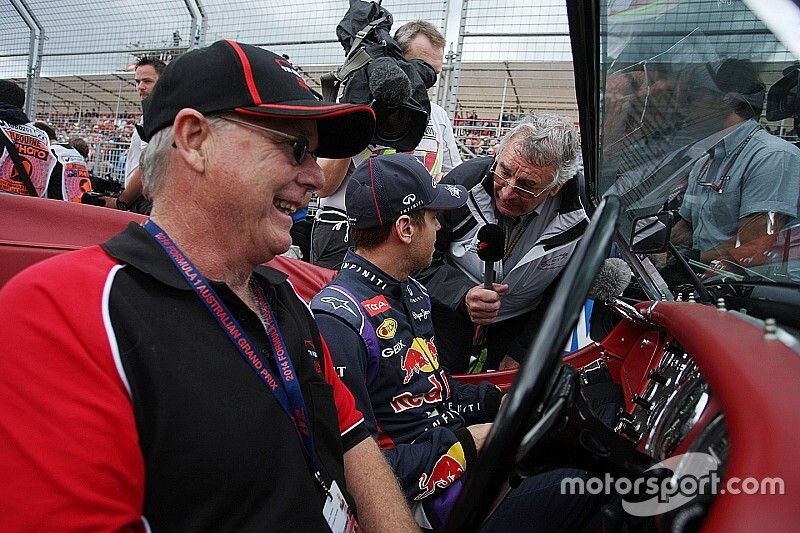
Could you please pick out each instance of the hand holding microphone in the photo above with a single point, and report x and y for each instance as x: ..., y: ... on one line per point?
x: 483, y: 304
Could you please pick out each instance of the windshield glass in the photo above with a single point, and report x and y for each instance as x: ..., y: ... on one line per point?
x: 699, y: 105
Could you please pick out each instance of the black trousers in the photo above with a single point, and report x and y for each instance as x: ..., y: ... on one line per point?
x: 329, y: 241
x: 454, y: 333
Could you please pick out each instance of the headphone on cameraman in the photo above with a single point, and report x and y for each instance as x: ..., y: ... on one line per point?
x: 756, y: 93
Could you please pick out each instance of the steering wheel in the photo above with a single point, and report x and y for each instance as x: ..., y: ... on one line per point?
x: 497, y: 459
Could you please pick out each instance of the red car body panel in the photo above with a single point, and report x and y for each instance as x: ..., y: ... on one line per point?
x: 33, y: 229
x: 755, y: 381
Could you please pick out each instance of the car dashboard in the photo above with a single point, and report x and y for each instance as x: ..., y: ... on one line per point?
x: 700, y: 379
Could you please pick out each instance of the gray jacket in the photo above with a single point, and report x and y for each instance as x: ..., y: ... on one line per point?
x: 538, y: 257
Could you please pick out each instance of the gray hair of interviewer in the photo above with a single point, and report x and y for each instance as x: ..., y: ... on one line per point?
x: 544, y: 140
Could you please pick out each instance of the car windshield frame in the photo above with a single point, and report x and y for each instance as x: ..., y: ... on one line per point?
x: 647, y: 132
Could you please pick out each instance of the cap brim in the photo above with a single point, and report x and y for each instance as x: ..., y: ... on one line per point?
x: 448, y: 197
x: 344, y: 130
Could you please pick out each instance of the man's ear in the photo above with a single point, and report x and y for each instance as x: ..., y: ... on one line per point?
x: 404, y: 229
x: 555, y: 190
x: 190, y: 131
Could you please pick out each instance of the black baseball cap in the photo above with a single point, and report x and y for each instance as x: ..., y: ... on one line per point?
x: 246, y: 79
x: 386, y: 186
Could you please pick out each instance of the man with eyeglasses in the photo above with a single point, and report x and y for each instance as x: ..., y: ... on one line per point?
x: 528, y: 190
x: 163, y: 380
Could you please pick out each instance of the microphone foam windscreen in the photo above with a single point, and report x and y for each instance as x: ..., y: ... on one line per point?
x: 612, y: 280
x: 491, y: 243
x: 388, y: 83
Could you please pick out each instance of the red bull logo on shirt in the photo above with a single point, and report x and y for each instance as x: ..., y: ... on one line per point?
x: 447, y: 469
x: 439, y: 391
x: 420, y: 357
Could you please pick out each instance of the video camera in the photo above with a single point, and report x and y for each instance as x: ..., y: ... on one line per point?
x: 106, y: 186
x: 101, y: 188
x: 783, y: 98
x: 376, y: 73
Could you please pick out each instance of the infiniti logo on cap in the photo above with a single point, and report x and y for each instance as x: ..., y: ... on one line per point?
x: 409, y: 199
x: 454, y: 191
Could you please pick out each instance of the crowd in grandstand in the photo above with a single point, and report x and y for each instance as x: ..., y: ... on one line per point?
x: 480, y: 134
x: 93, y: 126
x: 476, y: 135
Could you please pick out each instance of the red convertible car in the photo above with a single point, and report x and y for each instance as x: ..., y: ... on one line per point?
x: 706, y: 346
x: 705, y: 352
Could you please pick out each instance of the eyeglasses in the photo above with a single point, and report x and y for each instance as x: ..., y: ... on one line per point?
x: 716, y: 183
x: 500, y: 181
x: 299, y: 144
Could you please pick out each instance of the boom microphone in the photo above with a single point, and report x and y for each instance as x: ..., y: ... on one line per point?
x: 388, y: 83
x: 491, y: 247
x: 612, y: 280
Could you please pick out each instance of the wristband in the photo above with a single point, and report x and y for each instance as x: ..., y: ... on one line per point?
x: 122, y: 206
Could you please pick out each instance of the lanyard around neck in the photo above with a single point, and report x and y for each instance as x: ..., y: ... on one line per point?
x: 724, y: 176
x: 286, y: 390
x: 513, y: 233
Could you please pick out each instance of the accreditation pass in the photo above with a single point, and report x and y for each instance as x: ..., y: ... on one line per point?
x: 337, y: 513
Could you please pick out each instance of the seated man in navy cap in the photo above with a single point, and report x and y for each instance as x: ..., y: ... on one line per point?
x: 376, y: 319
x: 172, y: 383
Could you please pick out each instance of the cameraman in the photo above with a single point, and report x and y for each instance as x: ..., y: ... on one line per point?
x: 69, y: 178
x: 437, y: 150
x: 26, y: 174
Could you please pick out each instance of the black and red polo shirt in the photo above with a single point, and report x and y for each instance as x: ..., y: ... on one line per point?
x: 125, y: 405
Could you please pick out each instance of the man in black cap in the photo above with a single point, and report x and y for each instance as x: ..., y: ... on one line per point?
x: 377, y: 321
x: 162, y: 379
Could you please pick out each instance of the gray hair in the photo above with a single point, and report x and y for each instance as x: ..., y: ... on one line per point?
x: 545, y: 140
x: 155, y: 159
x: 407, y: 31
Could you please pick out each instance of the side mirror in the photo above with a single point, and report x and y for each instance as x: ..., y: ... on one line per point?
x: 650, y: 233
